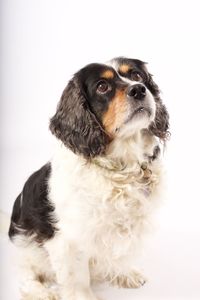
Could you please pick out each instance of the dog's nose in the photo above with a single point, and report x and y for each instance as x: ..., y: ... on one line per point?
x: 137, y: 91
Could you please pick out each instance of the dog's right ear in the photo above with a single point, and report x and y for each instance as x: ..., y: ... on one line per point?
x: 76, y: 126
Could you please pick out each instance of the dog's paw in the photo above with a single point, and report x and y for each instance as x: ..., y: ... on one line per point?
x: 132, y: 280
x: 44, y: 295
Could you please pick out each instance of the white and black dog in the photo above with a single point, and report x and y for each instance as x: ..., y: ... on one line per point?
x: 83, y: 215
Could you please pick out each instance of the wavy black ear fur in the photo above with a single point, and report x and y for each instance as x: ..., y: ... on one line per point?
x: 160, y: 126
x: 76, y: 126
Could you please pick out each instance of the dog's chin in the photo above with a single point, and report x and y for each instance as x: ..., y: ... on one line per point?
x: 137, y: 120
x: 140, y: 112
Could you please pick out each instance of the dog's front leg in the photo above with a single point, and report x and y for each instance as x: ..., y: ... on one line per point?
x: 70, y: 264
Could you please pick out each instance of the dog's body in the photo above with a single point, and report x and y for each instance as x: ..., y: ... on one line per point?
x: 83, y: 215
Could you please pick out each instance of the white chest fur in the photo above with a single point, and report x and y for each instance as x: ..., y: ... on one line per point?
x: 104, y: 206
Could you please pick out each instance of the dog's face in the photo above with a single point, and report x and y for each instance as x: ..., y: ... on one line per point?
x: 118, y: 96
x: 108, y: 101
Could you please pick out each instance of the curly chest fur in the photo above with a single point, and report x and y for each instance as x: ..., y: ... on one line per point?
x: 122, y: 217
x: 126, y: 207
x: 106, y: 203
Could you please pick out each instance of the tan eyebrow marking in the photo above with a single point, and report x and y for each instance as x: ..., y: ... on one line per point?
x: 124, y: 68
x: 108, y: 74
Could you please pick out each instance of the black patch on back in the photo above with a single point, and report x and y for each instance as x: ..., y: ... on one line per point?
x: 32, y: 211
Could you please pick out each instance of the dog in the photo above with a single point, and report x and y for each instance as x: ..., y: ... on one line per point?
x: 83, y: 216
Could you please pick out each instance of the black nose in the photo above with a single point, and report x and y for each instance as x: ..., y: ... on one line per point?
x: 137, y: 91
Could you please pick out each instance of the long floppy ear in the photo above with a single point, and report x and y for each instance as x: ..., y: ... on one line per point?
x: 160, y: 126
x: 76, y: 126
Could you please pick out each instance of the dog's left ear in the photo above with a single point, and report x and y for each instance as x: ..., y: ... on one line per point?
x: 160, y: 126
x: 75, y: 124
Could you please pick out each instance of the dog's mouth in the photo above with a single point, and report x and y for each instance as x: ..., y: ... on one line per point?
x: 140, y: 111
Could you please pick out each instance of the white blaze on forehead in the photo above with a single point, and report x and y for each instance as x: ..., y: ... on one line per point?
x: 115, y: 65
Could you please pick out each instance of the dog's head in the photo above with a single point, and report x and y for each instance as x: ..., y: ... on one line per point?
x: 107, y: 101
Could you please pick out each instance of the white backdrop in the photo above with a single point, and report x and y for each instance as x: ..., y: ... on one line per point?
x: 43, y: 42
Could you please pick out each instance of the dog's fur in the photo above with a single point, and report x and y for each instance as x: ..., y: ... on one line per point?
x: 84, y: 214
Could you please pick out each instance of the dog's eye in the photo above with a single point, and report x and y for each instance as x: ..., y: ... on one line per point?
x: 103, y: 87
x: 136, y: 76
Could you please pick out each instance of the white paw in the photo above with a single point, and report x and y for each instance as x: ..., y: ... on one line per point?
x: 132, y: 280
x: 43, y: 295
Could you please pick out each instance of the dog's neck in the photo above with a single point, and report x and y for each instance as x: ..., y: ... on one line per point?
x: 124, y: 156
x: 142, y: 148
x: 131, y: 161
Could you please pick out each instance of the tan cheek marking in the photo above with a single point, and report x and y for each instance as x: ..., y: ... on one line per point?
x: 114, y: 117
x: 108, y: 74
x: 124, y: 68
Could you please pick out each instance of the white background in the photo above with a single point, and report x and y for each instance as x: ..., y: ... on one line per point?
x: 43, y: 42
